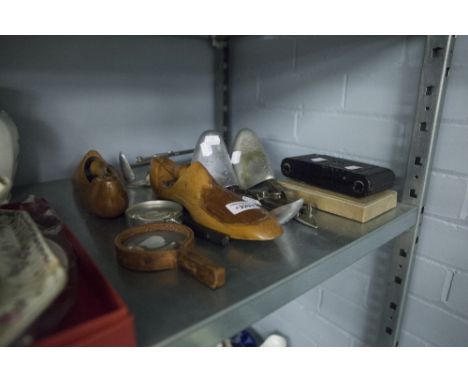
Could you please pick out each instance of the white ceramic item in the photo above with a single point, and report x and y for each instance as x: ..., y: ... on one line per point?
x: 9, y: 147
x: 5, y: 186
x: 275, y: 340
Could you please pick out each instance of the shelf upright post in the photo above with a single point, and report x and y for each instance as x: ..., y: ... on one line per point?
x: 432, y: 87
x: 221, y: 46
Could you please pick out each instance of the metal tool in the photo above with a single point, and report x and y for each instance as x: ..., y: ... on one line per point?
x: 127, y: 168
x: 143, y: 161
x: 288, y: 211
x: 250, y: 162
x: 306, y: 216
x: 256, y: 177
x: 129, y: 174
x: 212, y: 153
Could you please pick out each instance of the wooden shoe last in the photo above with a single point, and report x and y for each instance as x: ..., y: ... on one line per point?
x: 210, y: 204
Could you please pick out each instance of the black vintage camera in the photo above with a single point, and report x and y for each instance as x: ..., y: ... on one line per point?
x: 340, y: 175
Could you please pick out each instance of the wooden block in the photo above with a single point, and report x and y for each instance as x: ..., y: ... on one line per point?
x: 358, y: 209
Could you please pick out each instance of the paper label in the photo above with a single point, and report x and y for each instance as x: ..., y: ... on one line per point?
x: 352, y: 168
x: 318, y: 159
x: 247, y: 199
x: 212, y: 140
x: 206, y: 149
x: 238, y: 207
x: 235, y: 157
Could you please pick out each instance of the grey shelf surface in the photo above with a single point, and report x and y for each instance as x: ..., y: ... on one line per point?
x: 172, y: 308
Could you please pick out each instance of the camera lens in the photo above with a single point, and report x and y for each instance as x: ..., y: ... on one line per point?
x: 358, y: 187
x: 286, y: 167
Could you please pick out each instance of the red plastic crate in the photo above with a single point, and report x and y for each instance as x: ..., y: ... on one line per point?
x: 98, y: 317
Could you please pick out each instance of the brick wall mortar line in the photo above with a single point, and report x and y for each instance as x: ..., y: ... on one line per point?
x: 401, y: 119
x: 453, y: 174
x: 463, y: 215
x: 450, y: 172
x: 334, y: 324
x: 443, y: 220
x: 447, y: 266
x: 324, y: 320
x: 320, y: 299
x: 349, y: 301
x: 431, y: 261
x: 462, y: 223
x: 425, y: 342
x: 455, y: 122
x: 286, y: 323
x: 447, y: 287
x: 361, y: 306
x: 447, y: 310
x: 345, y: 91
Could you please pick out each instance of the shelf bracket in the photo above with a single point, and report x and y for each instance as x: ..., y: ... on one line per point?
x: 221, y: 91
x: 431, y: 93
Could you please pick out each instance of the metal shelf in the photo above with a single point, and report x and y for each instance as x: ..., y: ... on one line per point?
x: 172, y: 308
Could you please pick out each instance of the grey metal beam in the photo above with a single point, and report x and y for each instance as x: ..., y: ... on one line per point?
x: 432, y: 88
x: 172, y: 308
x: 221, y: 67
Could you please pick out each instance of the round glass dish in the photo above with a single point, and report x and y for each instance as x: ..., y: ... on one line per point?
x: 153, y: 211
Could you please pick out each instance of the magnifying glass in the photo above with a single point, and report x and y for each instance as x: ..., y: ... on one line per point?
x: 159, y: 246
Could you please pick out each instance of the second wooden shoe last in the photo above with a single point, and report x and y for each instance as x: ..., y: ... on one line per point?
x: 210, y: 204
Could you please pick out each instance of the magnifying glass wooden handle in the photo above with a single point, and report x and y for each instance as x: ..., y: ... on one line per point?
x: 203, y: 269
x: 200, y: 267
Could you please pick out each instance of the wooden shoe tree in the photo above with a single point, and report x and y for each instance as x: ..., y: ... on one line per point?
x: 210, y: 204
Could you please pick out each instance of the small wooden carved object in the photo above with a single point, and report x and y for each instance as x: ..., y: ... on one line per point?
x: 210, y: 204
x: 132, y: 253
x: 99, y: 186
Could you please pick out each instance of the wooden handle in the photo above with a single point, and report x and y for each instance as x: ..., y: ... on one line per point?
x: 203, y: 269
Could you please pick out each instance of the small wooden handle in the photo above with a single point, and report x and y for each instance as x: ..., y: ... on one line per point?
x: 203, y: 269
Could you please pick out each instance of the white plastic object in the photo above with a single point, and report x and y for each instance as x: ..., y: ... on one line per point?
x: 9, y: 147
x: 275, y: 340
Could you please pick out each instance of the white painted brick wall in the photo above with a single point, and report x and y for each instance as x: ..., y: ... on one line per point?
x: 355, y: 97
x: 444, y: 242
x: 435, y: 324
x: 450, y: 153
x: 116, y: 93
x: 446, y: 195
x: 331, y: 132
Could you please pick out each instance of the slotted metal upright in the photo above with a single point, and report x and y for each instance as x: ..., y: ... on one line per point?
x: 432, y: 87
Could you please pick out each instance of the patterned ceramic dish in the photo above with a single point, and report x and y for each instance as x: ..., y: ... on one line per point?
x: 31, y: 275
